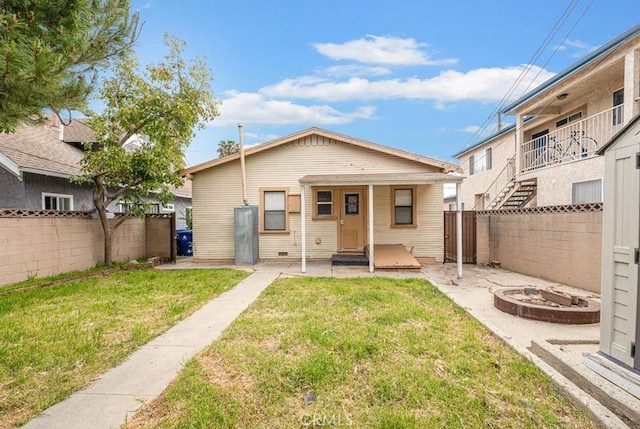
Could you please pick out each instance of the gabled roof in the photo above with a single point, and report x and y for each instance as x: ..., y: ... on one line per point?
x: 619, y: 134
x: 445, y: 166
x: 38, y: 149
x: 574, y: 68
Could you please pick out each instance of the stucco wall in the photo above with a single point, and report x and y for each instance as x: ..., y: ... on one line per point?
x: 502, y: 148
x: 39, y: 247
x: 560, y: 247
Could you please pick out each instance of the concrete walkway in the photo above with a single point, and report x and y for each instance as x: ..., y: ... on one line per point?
x: 118, y: 394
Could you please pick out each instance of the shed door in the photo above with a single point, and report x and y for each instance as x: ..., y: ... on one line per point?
x: 621, y: 232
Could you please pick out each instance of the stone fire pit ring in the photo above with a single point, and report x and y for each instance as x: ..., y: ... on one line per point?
x: 586, y: 311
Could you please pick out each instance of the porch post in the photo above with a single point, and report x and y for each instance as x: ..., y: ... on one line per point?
x: 458, y: 230
x: 371, y: 244
x: 303, y: 231
x: 519, y: 134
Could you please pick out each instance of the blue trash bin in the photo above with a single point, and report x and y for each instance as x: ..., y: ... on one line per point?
x: 184, y: 238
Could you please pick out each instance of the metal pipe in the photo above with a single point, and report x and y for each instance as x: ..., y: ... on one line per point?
x: 459, y: 230
x: 242, y: 167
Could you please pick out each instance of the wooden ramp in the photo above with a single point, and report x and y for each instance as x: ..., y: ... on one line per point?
x: 393, y: 257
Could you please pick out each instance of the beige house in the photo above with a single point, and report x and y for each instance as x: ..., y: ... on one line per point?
x: 320, y: 193
x: 547, y: 157
x: 620, y: 320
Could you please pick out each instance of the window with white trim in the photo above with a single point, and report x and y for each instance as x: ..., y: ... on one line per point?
x: 569, y: 119
x: 480, y: 162
x: 60, y: 202
x: 589, y: 191
x: 169, y: 208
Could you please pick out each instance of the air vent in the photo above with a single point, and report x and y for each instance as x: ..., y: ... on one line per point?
x: 283, y: 253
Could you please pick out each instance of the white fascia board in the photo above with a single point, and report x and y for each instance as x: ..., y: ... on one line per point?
x: 10, y: 166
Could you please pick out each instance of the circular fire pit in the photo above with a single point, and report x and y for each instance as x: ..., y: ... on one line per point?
x: 547, y: 305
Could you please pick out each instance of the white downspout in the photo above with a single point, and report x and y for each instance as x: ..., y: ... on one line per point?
x: 458, y: 230
x: 303, y: 231
x: 371, y: 243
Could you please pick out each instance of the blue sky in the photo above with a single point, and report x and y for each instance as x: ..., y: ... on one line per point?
x: 416, y: 75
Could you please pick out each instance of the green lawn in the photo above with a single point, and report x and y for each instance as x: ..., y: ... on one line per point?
x: 364, y: 353
x: 56, y: 340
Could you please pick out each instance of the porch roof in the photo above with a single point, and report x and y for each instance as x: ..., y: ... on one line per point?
x: 380, y: 179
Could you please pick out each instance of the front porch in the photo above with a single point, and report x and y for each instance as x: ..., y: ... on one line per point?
x: 368, y: 210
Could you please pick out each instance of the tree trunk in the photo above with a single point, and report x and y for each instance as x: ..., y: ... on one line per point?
x: 107, y: 231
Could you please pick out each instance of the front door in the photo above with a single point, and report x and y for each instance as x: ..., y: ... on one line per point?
x: 351, y: 224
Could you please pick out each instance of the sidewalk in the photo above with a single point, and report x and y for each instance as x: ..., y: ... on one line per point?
x: 118, y: 394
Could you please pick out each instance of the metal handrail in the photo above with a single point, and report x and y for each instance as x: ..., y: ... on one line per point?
x: 506, y: 176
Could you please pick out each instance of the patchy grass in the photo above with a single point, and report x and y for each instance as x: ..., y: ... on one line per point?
x: 55, y: 340
x: 366, y: 353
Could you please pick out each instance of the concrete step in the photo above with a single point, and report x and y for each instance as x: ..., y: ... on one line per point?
x: 617, y: 400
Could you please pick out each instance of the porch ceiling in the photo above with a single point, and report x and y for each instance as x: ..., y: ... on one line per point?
x: 380, y: 179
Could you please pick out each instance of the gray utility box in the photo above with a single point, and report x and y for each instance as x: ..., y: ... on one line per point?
x: 246, y: 234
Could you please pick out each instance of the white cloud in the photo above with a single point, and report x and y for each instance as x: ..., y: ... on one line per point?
x: 470, y: 129
x: 350, y: 70
x: 253, y: 108
x: 483, y: 85
x: 579, y: 47
x: 386, y: 50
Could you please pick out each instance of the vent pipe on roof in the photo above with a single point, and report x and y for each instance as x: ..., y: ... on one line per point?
x: 242, y: 167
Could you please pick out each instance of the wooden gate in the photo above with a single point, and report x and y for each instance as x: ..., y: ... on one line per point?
x: 468, y: 237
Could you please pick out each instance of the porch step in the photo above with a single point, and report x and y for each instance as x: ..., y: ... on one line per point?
x: 351, y: 259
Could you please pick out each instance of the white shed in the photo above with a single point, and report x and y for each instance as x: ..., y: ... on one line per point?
x: 620, y: 319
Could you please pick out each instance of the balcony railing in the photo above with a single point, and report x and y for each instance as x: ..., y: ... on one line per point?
x: 578, y: 140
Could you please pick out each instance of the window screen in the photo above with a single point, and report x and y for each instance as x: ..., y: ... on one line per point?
x: 587, y: 192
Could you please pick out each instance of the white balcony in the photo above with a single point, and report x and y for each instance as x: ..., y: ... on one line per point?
x: 574, y: 142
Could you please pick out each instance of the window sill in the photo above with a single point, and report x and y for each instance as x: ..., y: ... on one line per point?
x: 413, y: 226
x: 287, y: 232
x: 324, y: 217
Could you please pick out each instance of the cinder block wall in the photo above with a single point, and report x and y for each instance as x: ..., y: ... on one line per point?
x: 559, y: 247
x: 41, y: 246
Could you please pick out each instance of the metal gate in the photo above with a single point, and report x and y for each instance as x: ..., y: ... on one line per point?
x: 468, y: 237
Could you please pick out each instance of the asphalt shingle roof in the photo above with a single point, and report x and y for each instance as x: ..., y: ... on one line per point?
x: 39, y: 148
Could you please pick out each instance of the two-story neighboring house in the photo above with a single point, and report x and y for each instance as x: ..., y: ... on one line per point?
x: 548, y: 156
x: 37, y: 161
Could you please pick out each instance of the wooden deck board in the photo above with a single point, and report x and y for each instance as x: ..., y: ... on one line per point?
x: 394, y: 256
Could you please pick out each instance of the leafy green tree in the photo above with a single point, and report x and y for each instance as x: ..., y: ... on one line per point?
x: 52, y: 50
x: 148, y: 121
x: 227, y: 147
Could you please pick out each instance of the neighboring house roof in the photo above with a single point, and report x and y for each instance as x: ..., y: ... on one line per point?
x: 450, y: 199
x: 445, y: 166
x: 619, y: 134
x: 574, y: 68
x: 77, y: 131
x: 38, y: 149
x: 183, y: 191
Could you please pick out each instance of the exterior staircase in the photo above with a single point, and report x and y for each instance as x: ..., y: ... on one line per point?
x: 515, y: 195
